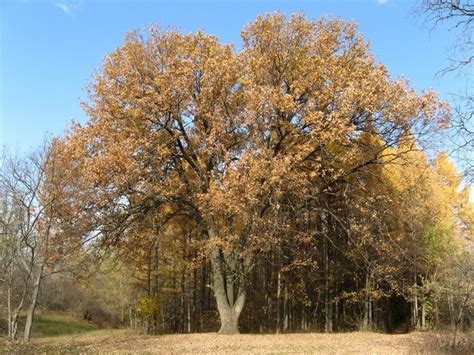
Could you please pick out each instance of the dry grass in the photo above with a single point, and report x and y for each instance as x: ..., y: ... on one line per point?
x: 120, y: 341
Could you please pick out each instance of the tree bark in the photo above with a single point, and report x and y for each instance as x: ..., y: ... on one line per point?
x: 9, y: 307
x: 278, y: 315
x: 327, y: 290
x: 32, y: 307
x: 415, y: 316
x: 16, y: 313
x: 229, y: 316
x: 423, y: 315
x: 229, y: 307
x: 285, y: 309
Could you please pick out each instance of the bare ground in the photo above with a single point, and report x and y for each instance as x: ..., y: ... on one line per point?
x: 120, y: 341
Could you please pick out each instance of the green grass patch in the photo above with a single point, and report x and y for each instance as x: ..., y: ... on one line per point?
x: 56, y: 324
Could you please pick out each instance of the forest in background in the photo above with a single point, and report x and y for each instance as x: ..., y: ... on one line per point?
x: 292, y: 186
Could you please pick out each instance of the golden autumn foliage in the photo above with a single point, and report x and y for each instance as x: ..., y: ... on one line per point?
x: 183, y: 118
x: 300, y: 144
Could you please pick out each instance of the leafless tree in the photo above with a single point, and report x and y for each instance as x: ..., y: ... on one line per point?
x: 35, y: 240
x: 458, y: 16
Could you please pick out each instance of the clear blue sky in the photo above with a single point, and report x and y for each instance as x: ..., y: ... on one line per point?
x: 50, y: 48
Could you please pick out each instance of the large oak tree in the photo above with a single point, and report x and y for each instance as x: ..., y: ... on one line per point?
x: 184, y: 129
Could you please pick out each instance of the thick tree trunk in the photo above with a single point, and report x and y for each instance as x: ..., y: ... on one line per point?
x: 230, y: 296
x: 229, y: 316
x: 229, y: 313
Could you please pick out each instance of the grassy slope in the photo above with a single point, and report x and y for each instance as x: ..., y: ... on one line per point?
x: 47, y: 329
x: 53, y: 324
